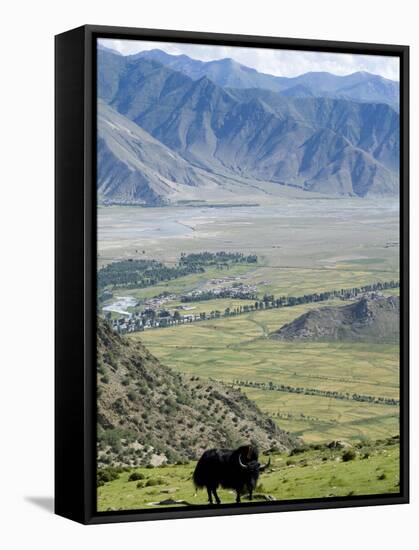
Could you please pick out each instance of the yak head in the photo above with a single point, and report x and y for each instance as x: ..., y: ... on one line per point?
x: 252, y: 469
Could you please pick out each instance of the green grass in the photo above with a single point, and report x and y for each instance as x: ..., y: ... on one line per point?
x: 318, y: 419
x: 296, y: 281
x: 315, y: 473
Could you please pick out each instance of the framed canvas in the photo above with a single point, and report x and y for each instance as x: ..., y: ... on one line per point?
x: 231, y: 274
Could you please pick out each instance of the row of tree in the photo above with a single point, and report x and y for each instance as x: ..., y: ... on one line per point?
x: 153, y: 318
x: 270, y: 302
x: 271, y: 386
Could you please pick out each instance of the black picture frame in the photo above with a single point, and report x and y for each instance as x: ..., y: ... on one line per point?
x: 75, y: 272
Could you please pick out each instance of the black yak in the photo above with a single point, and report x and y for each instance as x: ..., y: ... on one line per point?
x: 231, y: 469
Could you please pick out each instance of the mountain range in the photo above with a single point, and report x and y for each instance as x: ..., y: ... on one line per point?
x: 171, y: 128
x: 227, y: 73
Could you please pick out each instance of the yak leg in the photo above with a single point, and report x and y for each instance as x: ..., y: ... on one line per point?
x: 209, y: 495
x: 238, y: 496
x: 217, y: 498
x: 250, y: 488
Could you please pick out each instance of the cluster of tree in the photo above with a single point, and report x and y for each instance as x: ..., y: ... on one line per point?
x: 271, y: 386
x: 140, y: 273
x: 239, y: 293
x: 217, y: 258
x: 143, y: 273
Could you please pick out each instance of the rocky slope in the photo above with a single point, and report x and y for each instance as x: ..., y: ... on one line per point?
x: 147, y: 413
x: 135, y: 168
x: 371, y: 319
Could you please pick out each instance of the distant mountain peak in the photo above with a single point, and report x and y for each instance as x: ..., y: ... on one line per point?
x: 227, y: 72
x: 227, y: 61
x: 110, y: 50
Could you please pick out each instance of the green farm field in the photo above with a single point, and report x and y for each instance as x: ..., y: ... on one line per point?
x: 238, y: 349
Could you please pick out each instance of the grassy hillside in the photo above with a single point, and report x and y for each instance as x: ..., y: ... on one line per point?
x: 149, y: 414
x: 313, y: 472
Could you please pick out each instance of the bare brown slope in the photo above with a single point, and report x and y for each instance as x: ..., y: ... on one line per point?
x: 371, y: 319
x: 147, y: 413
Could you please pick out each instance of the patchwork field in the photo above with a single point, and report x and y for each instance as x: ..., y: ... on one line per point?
x: 238, y: 349
x: 303, y: 246
x: 318, y: 472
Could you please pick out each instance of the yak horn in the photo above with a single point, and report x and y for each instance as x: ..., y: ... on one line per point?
x: 265, y: 465
x: 241, y: 464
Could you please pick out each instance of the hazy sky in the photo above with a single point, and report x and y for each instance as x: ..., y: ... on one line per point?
x: 277, y: 62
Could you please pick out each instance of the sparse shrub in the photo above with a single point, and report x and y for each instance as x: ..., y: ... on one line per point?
x: 365, y: 456
x: 101, y: 369
x: 154, y: 481
x: 105, y: 379
x: 132, y: 396
x: 298, y: 450
x: 118, y: 406
x: 109, y: 358
x: 135, y: 476
x: 104, y: 475
x: 382, y: 476
x: 348, y: 455
x: 140, y: 484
